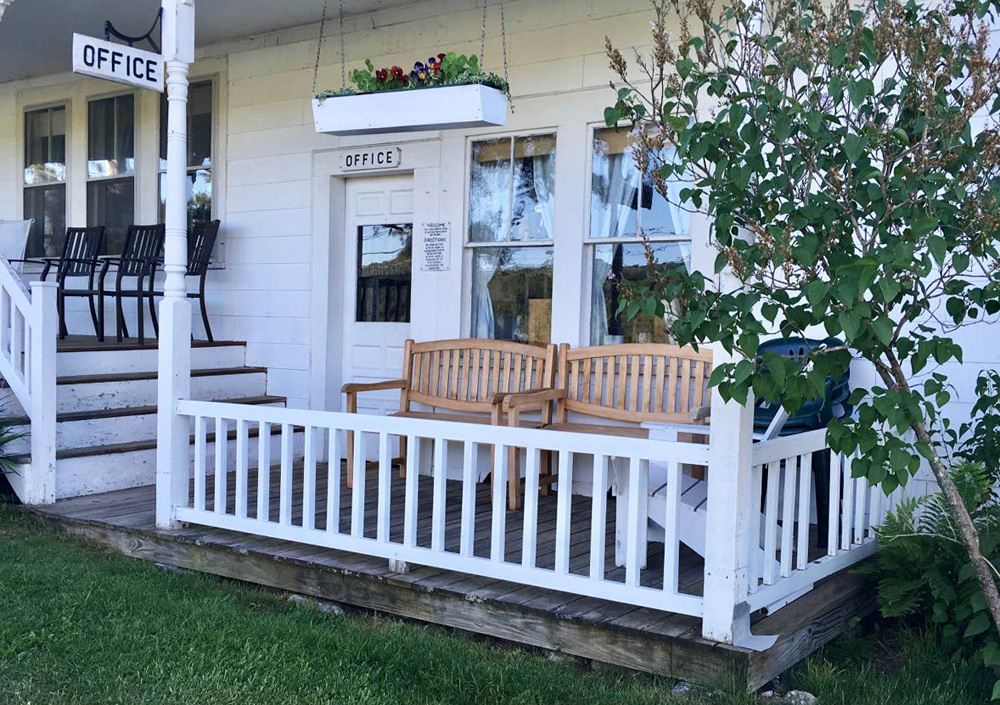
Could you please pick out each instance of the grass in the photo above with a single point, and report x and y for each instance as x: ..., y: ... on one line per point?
x: 79, y: 624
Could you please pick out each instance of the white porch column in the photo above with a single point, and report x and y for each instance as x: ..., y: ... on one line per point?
x: 174, y: 381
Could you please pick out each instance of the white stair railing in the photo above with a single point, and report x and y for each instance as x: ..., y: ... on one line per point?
x: 28, y: 331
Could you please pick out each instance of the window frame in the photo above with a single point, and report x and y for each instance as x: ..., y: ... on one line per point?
x: 590, y: 243
x: 469, y: 247
x: 136, y: 151
x: 24, y: 109
x: 213, y: 80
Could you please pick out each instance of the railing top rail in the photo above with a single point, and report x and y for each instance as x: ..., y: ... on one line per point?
x: 787, y: 446
x: 11, y: 281
x: 544, y: 439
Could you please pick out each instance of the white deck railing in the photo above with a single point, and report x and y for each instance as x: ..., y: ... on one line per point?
x: 783, y: 561
x: 28, y: 331
x: 324, y: 434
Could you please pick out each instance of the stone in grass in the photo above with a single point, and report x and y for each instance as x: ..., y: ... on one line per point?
x: 324, y: 606
x: 800, y: 697
x: 682, y: 689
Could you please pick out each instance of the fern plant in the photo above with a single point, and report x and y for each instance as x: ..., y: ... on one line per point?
x: 923, y: 569
x: 11, y: 431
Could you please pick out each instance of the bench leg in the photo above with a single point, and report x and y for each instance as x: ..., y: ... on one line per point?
x: 352, y: 408
x: 402, y: 456
x: 513, y: 478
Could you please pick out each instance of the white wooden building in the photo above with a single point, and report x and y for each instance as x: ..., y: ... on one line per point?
x: 529, y: 238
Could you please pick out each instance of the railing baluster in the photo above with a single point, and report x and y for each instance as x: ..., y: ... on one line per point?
x: 788, y: 515
x: 358, y: 489
x: 286, y: 476
x: 635, y: 547
x: 529, y: 539
x: 598, y: 517
x: 860, y: 497
x: 333, y: 483
x: 833, y: 519
x: 264, y: 471
x: 467, y: 535
x: 221, y: 464
x: 805, y: 502
x: 755, y: 561
x: 411, y: 500
x: 672, y: 528
x: 771, y: 522
x: 875, y: 510
x: 6, y: 304
x: 309, y: 479
x: 242, y: 432
x: 847, y: 511
x: 498, y: 521
x: 382, y: 515
x: 564, y: 511
x: 438, y: 502
x: 199, y: 463
x: 15, y: 342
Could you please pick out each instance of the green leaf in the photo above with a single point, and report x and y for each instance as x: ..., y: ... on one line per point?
x: 979, y: 624
x: 938, y: 247
x: 996, y: 691
x: 884, y: 329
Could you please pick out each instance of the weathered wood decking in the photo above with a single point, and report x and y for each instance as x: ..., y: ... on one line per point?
x: 643, y: 639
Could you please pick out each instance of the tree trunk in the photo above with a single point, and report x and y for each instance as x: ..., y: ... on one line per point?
x: 966, y: 527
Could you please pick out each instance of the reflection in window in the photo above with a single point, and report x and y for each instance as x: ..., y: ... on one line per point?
x: 200, y: 124
x: 512, y: 200
x: 627, y: 262
x: 385, y: 263
x: 45, y: 179
x: 512, y: 293
x: 111, y: 168
x: 624, y: 206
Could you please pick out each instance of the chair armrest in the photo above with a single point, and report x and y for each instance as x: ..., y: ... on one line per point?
x: 535, y: 399
x: 701, y: 414
x: 355, y: 387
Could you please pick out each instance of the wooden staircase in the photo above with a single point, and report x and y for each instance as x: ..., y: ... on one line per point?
x: 106, y: 408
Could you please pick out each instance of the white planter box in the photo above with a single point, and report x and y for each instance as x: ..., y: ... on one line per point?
x: 409, y: 110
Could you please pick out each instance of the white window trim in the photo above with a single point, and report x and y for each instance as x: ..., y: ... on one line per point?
x: 137, y: 162
x: 24, y: 109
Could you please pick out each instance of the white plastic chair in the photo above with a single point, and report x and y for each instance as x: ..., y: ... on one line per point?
x: 14, y: 241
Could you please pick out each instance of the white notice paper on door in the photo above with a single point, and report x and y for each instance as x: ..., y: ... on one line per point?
x: 435, y: 246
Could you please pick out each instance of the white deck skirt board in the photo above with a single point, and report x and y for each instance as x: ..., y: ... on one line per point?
x: 85, y: 362
x: 411, y: 110
x: 142, y: 392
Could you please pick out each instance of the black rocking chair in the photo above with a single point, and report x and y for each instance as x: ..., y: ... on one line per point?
x: 201, y: 243
x: 139, y: 258
x: 79, y: 259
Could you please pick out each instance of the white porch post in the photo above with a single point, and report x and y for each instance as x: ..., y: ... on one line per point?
x: 40, y: 482
x: 174, y: 382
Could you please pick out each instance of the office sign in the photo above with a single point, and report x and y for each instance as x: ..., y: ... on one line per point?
x: 367, y: 159
x: 117, y: 62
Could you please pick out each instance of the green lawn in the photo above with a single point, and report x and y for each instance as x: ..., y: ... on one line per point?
x: 79, y: 624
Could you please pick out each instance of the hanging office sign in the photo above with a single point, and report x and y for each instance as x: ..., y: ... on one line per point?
x: 366, y: 159
x: 436, y: 241
x: 117, y: 62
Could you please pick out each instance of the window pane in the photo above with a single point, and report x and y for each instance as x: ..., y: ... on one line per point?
x: 618, y: 265
x: 47, y: 205
x: 614, y: 186
x: 534, y: 183
x: 199, y: 124
x: 45, y: 146
x: 489, y: 191
x: 199, y: 196
x: 111, y: 203
x: 385, y: 259
x: 512, y: 293
x: 111, y: 137
x: 664, y: 216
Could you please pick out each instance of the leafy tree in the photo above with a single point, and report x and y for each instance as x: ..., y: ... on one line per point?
x: 834, y: 148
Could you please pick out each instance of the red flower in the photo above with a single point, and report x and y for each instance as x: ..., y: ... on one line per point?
x: 382, y: 75
x: 441, y: 56
x: 406, y: 80
x: 396, y: 72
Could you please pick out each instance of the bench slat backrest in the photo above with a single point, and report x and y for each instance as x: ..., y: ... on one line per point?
x: 634, y: 382
x: 466, y: 374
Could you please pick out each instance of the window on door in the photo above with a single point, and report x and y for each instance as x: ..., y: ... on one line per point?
x: 385, y: 264
x: 111, y: 168
x: 627, y: 214
x: 511, y: 233
x: 200, y: 124
x: 45, y: 179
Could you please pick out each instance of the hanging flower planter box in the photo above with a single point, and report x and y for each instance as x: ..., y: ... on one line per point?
x: 409, y: 110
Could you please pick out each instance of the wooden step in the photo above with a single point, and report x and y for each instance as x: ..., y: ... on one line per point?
x: 82, y: 358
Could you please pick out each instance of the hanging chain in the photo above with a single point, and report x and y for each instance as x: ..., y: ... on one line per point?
x: 343, y: 56
x: 319, y: 47
x: 503, y: 43
x: 482, y: 36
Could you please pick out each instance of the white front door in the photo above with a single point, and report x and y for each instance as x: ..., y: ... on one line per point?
x: 377, y: 275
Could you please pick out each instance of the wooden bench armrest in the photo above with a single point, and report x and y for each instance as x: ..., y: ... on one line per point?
x: 355, y: 387
x: 534, y: 399
x: 701, y: 414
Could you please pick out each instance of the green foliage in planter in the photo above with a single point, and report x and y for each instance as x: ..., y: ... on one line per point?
x: 445, y: 69
x: 924, y: 570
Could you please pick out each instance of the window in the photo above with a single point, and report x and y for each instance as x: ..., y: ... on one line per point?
x: 111, y: 168
x: 45, y: 179
x: 199, y: 173
x: 624, y: 208
x: 511, y: 215
x: 385, y: 262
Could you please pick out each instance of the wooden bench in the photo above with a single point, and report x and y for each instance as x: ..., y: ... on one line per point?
x: 462, y: 380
